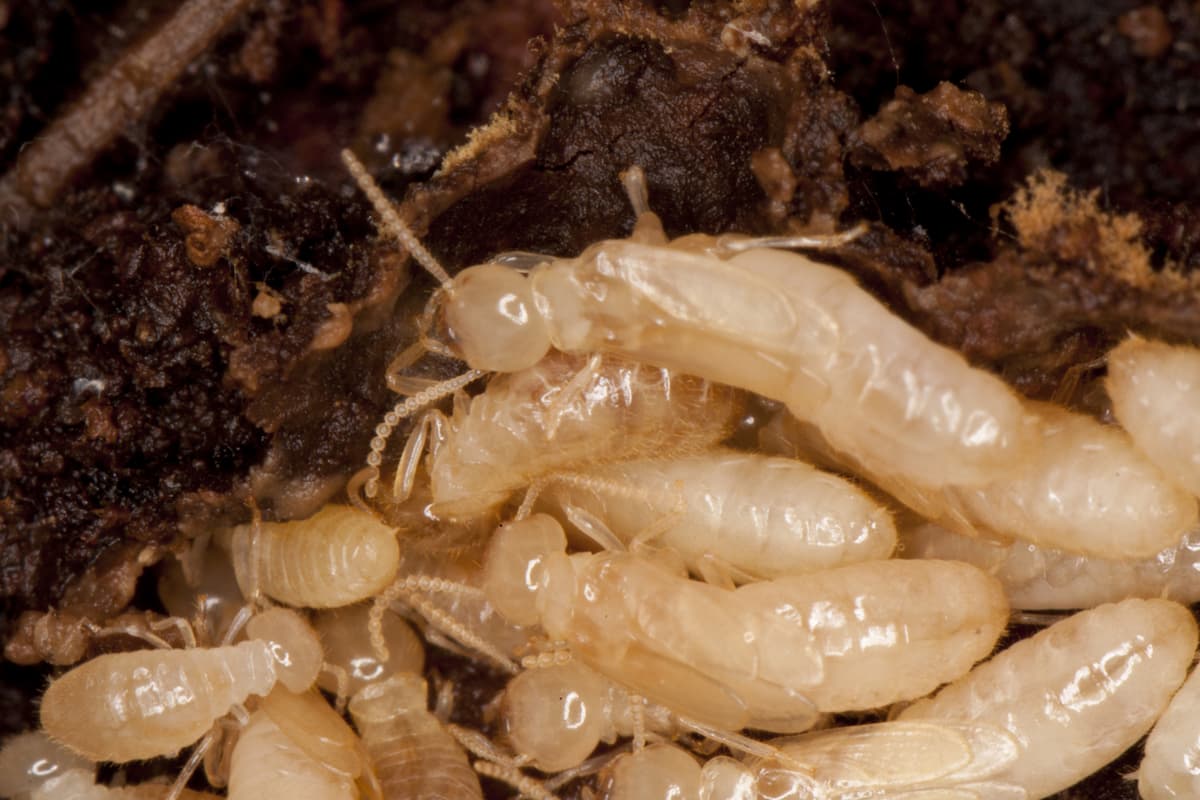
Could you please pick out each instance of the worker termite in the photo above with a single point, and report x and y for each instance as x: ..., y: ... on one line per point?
x: 1084, y: 489
x: 78, y: 784
x: 773, y: 322
x: 557, y: 414
x: 1040, y: 578
x: 658, y: 772
x: 1154, y: 389
x: 763, y: 517
x: 1171, y: 767
x: 337, y: 557
x: 138, y: 705
x: 346, y: 641
x: 412, y: 753
x: 29, y: 760
x: 269, y: 763
x: 768, y: 654
x: 1078, y: 693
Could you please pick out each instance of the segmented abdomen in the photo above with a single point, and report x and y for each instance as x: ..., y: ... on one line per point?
x: 415, y: 757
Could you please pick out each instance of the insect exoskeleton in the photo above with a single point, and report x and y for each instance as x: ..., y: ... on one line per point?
x: 1154, y: 389
x: 148, y: 703
x: 337, y: 557
x: 413, y: 755
x: 768, y: 654
x: 742, y: 314
x: 1085, y: 489
x: 1169, y: 769
x: 29, y: 760
x: 267, y: 762
x: 560, y: 413
x: 658, y: 772
x: 1039, y: 578
x: 346, y: 641
x: 763, y: 517
x: 1078, y: 693
x: 959, y: 758
x: 557, y: 715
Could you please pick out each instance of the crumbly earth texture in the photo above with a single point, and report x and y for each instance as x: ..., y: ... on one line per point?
x: 197, y: 323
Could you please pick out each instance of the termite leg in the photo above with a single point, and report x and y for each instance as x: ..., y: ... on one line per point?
x: 828, y: 241
x: 648, y: 228
x: 342, y: 678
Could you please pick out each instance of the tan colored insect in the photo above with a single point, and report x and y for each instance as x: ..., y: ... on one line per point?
x: 658, y: 772
x: 1171, y: 767
x: 759, y: 517
x: 564, y: 411
x: 739, y: 313
x: 138, y: 705
x: 80, y: 784
x: 29, y: 760
x: 1038, y: 578
x: 412, y: 753
x: 768, y: 654
x: 339, y: 556
x: 351, y: 663
x: 267, y: 762
x: 1155, y: 391
x: 1077, y: 694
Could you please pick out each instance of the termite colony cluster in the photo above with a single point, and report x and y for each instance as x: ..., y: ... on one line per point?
x: 705, y: 600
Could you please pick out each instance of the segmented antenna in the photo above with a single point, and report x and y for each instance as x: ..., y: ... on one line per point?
x: 404, y: 409
x: 391, y: 220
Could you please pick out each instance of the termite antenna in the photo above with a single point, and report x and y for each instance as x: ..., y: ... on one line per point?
x: 402, y: 410
x: 391, y: 220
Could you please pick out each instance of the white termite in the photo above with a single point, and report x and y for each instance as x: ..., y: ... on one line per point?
x: 1039, y: 578
x: 1083, y: 488
x: 658, y: 772
x: 767, y: 654
x: 337, y: 557
x: 769, y: 321
x: 1155, y: 391
x: 29, y: 760
x: 80, y: 784
x: 268, y: 763
x: 346, y: 641
x: 413, y: 755
x: 138, y: 705
x: 564, y: 411
x: 1077, y: 694
x: 763, y: 517
x: 1171, y: 767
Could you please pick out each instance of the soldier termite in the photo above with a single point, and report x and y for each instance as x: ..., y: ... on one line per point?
x: 337, y: 557
x: 765, y: 320
x: 1078, y: 693
x: 763, y: 517
x: 412, y: 753
x: 139, y: 705
x: 767, y: 655
x: 1154, y: 389
x: 1043, y: 579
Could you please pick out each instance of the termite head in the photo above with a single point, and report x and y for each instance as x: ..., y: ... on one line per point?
x: 492, y: 320
x: 525, y: 567
x: 402, y: 693
x: 294, y: 646
x: 554, y: 714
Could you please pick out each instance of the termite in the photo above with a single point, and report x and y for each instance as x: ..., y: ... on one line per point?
x: 743, y: 314
x: 413, y: 755
x: 137, y: 705
x: 80, y: 784
x: 211, y: 594
x: 268, y: 763
x: 1077, y: 694
x: 339, y: 556
x: 761, y: 517
x: 1171, y: 766
x: 658, y: 772
x: 1154, y: 389
x: 1045, y: 579
x: 768, y: 654
x: 1084, y: 489
x: 29, y: 760
x: 351, y: 663
x: 561, y: 412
